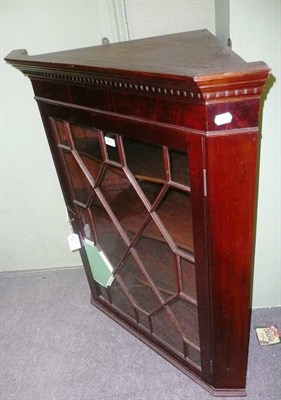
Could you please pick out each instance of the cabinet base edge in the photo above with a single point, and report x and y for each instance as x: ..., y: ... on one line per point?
x: 213, y: 391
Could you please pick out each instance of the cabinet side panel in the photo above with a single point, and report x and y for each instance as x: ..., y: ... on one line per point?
x: 231, y: 176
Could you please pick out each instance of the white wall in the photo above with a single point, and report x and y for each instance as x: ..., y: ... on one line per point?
x: 160, y: 17
x: 33, y: 219
x: 255, y: 29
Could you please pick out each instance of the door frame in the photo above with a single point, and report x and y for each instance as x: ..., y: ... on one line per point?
x: 115, y: 28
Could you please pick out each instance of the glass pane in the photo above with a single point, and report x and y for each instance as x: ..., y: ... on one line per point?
x: 193, y: 354
x: 175, y: 212
x: 150, y: 189
x: 63, y: 137
x: 103, y: 291
x: 87, y: 141
x: 143, y: 320
x: 187, y: 316
x: 179, y: 167
x: 92, y: 166
x: 164, y: 327
x: 123, y: 200
x: 111, y: 146
x: 144, y: 159
x: 138, y: 285
x: 158, y: 260
x: 188, y: 278
x: 120, y: 300
x: 108, y: 237
x: 82, y: 188
x: 85, y: 220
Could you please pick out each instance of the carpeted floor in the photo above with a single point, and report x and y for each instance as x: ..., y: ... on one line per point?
x: 56, y: 346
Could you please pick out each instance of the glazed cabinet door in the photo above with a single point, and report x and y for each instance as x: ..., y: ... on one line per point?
x: 132, y: 205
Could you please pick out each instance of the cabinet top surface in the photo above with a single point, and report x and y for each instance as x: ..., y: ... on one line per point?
x: 190, y: 54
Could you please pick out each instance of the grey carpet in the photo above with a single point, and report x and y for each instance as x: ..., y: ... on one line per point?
x: 56, y: 346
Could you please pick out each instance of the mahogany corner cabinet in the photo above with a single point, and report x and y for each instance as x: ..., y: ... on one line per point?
x: 155, y: 142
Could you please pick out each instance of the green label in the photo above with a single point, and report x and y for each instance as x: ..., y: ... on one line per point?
x: 101, y: 268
